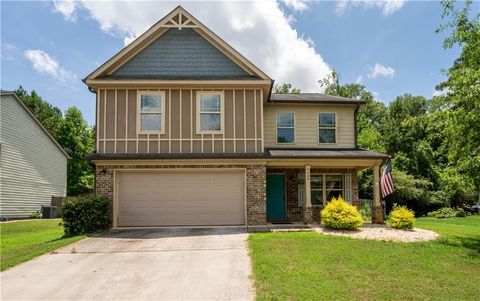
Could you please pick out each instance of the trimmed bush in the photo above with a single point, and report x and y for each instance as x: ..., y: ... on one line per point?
x: 447, y: 212
x: 85, y: 215
x: 401, y: 218
x: 339, y: 214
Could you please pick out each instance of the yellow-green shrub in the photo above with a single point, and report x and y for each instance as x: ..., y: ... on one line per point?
x: 339, y: 214
x: 401, y: 218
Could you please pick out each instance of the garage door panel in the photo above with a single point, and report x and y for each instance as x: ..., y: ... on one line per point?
x: 168, y: 198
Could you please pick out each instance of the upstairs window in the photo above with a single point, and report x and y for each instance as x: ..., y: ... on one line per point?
x: 327, y: 128
x: 210, y: 112
x: 285, y: 127
x: 151, y: 112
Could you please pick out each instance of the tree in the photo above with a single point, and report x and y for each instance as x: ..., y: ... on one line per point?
x: 285, y: 89
x: 75, y: 135
x: 49, y: 116
x: 462, y: 89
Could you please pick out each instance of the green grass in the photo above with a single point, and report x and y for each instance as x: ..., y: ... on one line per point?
x: 22, y: 241
x: 310, y: 266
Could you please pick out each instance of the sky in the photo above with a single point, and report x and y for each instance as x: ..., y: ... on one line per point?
x: 389, y: 46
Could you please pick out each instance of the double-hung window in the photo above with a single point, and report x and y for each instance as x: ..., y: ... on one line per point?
x: 324, y: 187
x: 210, y: 112
x: 151, y: 112
x: 327, y: 128
x: 285, y: 127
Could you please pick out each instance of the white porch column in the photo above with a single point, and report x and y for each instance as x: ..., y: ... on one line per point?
x: 308, y: 195
x: 377, y: 217
x: 307, y: 210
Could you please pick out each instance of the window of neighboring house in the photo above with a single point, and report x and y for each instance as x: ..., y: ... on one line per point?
x: 151, y: 111
x: 327, y: 128
x: 285, y: 127
x: 324, y: 187
x: 210, y: 112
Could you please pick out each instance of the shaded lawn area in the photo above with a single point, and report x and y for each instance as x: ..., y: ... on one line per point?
x: 24, y: 240
x: 311, y: 266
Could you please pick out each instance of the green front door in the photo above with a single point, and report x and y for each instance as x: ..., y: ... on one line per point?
x: 275, y: 197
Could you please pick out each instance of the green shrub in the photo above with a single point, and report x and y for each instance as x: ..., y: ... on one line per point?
x: 36, y: 214
x: 401, y: 218
x: 85, y: 215
x: 339, y: 214
x: 447, y: 212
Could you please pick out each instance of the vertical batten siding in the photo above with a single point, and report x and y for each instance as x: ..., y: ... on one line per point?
x: 33, y: 168
x: 306, y: 125
x: 117, y: 122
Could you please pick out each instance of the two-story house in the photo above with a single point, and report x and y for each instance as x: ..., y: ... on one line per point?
x: 189, y: 133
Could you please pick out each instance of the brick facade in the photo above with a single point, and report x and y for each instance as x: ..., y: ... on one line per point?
x: 295, y: 213
x: 255, y: 188
x: 255, y: 185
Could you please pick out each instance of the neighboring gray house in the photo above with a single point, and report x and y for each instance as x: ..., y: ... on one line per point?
x: 33, y: 166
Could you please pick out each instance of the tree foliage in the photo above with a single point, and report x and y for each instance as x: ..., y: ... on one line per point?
x: 50, y: 116
x: 285, y: 89
x: 71, y: 132
x: 463, y: 88
x: 75, y: 135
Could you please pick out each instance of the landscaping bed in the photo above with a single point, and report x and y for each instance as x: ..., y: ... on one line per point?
x: 381, y: 232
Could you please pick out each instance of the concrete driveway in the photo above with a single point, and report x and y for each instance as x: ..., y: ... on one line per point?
x: 143, y: 264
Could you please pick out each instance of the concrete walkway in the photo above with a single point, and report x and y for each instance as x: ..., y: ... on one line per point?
x: 143, y: 264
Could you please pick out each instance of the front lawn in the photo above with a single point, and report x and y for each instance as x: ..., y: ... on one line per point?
x: 24, y: 240
x: 311, y: 266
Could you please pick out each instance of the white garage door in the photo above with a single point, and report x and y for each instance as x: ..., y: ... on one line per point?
x: 181, y: 198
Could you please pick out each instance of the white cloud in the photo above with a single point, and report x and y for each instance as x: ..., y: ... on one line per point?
x: 44, y: 63
x: 380, y: 70
x: 66, y: 8
x: 260, y: 30
x: 359, y: 79
x: 388, y: 7
x: 296, y: 5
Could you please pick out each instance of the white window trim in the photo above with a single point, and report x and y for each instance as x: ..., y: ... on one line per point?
x: 323, y: 189
x: 162, y: 112
x: 294, y: 129
x: 319, y: 128
x: 222, y: 112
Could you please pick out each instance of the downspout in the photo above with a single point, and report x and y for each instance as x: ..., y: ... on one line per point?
x: 355, y: 124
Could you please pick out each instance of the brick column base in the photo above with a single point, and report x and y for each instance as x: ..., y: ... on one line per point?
x: 377, y: 217
x: 307, y: 215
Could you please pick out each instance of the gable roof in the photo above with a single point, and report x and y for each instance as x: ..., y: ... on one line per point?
x: 181, y: 19
x: 181, y: 54
x: 312, y: 98
x: 19, y: 101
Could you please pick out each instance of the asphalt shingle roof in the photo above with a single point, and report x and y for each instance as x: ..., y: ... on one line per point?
x: 311, y: 98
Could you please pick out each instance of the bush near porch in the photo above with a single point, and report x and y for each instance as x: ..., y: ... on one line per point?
x: 310, y: 266
x: 339, y: 214
x: 401, y: 218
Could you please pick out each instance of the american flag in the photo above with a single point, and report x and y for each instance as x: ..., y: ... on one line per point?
x: 386, y: 182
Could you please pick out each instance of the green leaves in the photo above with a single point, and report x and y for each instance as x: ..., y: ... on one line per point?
x: 285, y: 89
x: 72, y: 133
x: 77, y: 136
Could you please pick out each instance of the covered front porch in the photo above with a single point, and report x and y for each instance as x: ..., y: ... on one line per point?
x: 301, y: 182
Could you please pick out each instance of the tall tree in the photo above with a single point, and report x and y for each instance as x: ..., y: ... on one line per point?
x: 49, y: 116
x: 285, y: 89
x: 75, y: 135
x: 462, y: 89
